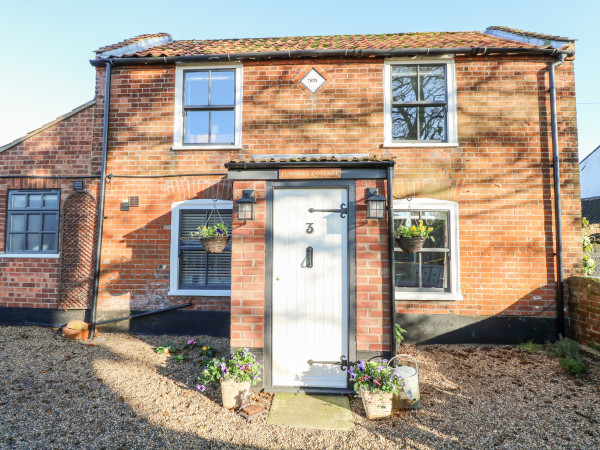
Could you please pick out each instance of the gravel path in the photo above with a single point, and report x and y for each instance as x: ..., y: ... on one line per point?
x: 118, y: 393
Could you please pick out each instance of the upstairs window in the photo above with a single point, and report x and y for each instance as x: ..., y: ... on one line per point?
x: 194, y: 271
x: 32, y: 221
x: 208, y: 107
x: 420, y: 102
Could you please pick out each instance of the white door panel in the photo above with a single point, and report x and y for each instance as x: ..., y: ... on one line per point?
x: 310, y: 311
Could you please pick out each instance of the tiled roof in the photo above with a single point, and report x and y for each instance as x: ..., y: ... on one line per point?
x: 448, y: 40
x: 590, y: 209
x: 542, y: 36
x: 131, y: 41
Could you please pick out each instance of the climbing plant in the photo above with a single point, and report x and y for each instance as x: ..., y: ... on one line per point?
x: 588, y: 262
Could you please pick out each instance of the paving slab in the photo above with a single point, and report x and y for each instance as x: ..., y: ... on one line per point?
x: 318, y: 412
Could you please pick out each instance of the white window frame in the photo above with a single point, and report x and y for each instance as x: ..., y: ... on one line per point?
x: 451, y: 132
x: 178, y: 124
x: 176, y: 209
x: 454, y: 256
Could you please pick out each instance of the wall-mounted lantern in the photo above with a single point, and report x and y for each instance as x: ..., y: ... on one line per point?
x: 246, y: 205
x: 375, y: 204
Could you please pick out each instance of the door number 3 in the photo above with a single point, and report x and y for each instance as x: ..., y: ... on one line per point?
x: 309, y: 228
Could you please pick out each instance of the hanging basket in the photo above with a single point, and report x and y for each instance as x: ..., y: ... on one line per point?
x: 411, y: 244
x: 214, y: 244
x: 233, y: 392
x: 377, y: 404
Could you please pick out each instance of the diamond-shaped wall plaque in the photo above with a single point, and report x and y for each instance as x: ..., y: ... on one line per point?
x: 313, y: 80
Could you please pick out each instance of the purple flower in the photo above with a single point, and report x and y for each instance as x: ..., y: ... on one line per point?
x: 361, y: 366
x: 352, y: 376
x: 384, y: 361
x: 219, y: 231
x: 191, y: 342
x: 380, y: 368
x: 351, y: 370
x: 201, y: 387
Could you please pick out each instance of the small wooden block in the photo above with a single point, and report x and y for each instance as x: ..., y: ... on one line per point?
x: 252, y: 411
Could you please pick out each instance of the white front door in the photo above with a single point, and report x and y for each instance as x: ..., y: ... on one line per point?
x: 309, y: 304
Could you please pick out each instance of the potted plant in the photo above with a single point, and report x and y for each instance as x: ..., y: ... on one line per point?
x: 235, y: 376
x: 376, y: 383
x: 411, y: 239
x: 213, y: 238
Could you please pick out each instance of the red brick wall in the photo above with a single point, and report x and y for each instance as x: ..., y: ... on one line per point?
x: 584, y: 309
x: 61, y: 150
x: 500, y: 174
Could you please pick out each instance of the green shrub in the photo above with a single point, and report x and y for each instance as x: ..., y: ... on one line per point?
x: 567, y: 348
x: 573, y: 366
x: 530, y: 347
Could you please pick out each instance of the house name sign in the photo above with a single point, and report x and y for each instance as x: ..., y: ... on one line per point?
x: 296, y: 174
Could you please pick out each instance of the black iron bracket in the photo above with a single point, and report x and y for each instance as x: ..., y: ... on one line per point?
x: 343, y: 362
x: 342, y: 211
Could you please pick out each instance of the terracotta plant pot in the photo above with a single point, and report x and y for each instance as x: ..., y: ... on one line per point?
x: 377, y: 404
x: 214, y: 244
x: 233, y: 393
x: 411, y: 244
x: 76, y: 329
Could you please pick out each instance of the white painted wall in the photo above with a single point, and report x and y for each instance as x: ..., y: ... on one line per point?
x: 589, y: 175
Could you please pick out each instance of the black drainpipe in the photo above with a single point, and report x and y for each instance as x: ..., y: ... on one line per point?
x: 101, y: 202
x: 560, y: 314
x: 390, y: 201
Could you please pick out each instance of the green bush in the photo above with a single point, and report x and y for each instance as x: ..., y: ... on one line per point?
x: 566, y: 348
x: 573, y: 366
x: 530, y: 347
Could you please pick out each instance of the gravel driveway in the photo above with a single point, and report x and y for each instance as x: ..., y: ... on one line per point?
x: 118, y: 393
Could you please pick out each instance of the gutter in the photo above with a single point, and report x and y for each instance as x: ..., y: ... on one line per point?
x: 560, y: 313
x: 101, y: 202
x: 347, y: 53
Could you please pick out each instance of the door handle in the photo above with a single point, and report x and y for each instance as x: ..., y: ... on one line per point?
x: 309, y: 257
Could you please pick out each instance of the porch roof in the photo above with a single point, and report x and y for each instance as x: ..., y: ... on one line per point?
x: 343, y: 161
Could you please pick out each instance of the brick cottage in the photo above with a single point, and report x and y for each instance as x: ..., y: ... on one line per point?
x: 321, y: 141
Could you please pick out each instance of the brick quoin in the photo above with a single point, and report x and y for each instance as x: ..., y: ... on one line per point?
x: 500, y: 174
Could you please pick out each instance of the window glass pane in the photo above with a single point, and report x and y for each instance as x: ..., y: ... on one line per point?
x: 18, y: 201
x: 404, y: 123
x: 219, y: 268
x: 404, y: 83
x: 402, y: 218
x: 34, y: 222
x: 16, y: 242
x: 35, y: 200
x: 434, y: 269
x: 190, y: 221
x: 433, y: 83
x: 193, y: 268
x: 17, y: 223
x: 50, y: 222
x: 222, y: 87
x: 407, y: 269
x: 51, y: 201
x: 196, y: 127
x: 33, y: 242
x: 438, y: 220
x: 222, y: 127
x: 49, y: 242
x: 433, y: 123
x: 196, y: 88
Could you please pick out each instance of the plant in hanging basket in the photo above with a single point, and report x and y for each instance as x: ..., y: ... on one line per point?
x: 213, y: 238
x: 234, y: 376
x: 376, y: 383
x: 411, y: 239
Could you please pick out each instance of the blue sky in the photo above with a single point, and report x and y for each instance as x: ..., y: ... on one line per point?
x: 46, y: 46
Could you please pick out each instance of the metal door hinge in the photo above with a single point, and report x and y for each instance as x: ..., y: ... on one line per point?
x: 343, y: 362
x: 343, y: 210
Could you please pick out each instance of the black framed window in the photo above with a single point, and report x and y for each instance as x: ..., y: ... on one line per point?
x: 429, y: 269
x: 209, y: 106
x: 32, y: 221
x: 419, y: 102
x: 199, y: 269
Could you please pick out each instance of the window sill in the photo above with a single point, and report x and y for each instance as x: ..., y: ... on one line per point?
x: 419, y: 144
x: 30, y: 255
x: 199, y: 293
x: 428, y: 296
x: 177, y: 148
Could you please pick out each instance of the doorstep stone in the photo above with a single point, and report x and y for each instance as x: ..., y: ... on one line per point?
x: 317, y: 412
